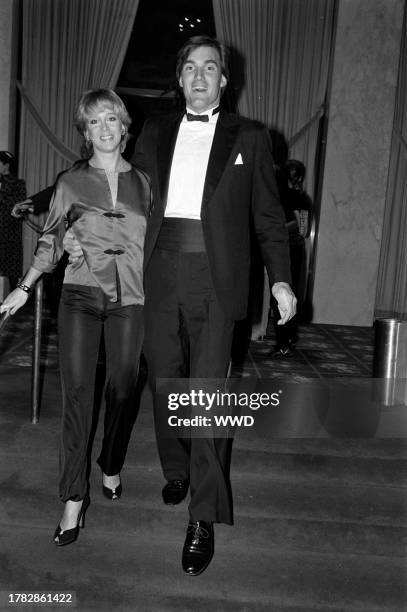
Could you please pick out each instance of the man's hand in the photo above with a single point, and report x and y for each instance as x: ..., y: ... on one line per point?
x: 286, y: 300
x: 72, y: 246
x: 21, y: 208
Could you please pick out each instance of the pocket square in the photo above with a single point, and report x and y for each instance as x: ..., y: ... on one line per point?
x: 238, y: 160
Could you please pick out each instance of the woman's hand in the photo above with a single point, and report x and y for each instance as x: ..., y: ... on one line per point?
x: 14, y: 301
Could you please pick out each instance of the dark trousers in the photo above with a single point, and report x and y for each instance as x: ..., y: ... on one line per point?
x: 188, y: 335
x: 84, y: 315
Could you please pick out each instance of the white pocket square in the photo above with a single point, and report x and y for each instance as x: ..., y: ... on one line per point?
x: 238, y: 160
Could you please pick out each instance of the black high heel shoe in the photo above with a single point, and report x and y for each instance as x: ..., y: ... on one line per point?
x: 112, y: 493
x: 62, y: 538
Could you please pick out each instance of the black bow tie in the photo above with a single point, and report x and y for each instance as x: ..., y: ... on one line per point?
x: 191, y: 117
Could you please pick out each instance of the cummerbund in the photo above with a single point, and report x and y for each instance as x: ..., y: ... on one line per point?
x: 181, y: 235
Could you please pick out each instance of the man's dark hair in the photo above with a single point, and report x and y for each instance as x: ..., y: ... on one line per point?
x: 202, y: 41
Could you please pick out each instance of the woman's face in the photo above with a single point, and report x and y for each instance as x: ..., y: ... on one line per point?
x: 104, y: 129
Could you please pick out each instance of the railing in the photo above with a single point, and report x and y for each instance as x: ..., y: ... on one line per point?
x: 35, y: 368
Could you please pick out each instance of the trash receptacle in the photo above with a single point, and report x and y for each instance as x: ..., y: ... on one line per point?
x: 390, y: 360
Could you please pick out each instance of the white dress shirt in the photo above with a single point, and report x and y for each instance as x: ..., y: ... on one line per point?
x: 189, y: 165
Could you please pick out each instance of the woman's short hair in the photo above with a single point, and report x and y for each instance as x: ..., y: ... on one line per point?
x: 202, y: 41
x: 91, y: 101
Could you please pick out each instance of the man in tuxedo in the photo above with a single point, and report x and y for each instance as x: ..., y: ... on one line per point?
x: 211, y: 175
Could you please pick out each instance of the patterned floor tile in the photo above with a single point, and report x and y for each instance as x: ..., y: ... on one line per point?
x: 323, y: 350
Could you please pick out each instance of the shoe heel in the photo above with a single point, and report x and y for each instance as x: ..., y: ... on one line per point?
x: 62, y: 538
x: 85, y: 506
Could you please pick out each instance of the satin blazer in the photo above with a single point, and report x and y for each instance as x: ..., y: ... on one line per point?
x: 240, y: 189
x: 111, y: 237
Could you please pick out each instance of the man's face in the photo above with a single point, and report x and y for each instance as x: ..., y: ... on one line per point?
x: 202, y: 79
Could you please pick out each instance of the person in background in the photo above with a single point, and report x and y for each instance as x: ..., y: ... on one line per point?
x: 297, y: 207
x: 12, y: 190
x: 105, y: 202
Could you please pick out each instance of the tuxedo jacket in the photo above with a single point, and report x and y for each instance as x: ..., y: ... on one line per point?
x: 240, y: 190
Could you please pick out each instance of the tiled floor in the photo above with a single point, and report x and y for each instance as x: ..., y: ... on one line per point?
x: 323, y: 351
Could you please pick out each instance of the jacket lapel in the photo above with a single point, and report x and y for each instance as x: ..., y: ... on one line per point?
x: 165, y: 143
x: 226, y: 132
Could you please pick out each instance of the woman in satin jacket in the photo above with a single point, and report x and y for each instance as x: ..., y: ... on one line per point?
x: 105, y: 202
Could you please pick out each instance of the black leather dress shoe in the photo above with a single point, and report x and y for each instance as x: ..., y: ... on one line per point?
x: 198, y: 548
x: 175, y: 491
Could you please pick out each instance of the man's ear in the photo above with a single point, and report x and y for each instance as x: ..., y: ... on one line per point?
x: 223, y: 81
x: 180, y: 82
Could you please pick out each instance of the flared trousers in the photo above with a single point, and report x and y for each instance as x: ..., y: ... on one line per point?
x: 85, y: 315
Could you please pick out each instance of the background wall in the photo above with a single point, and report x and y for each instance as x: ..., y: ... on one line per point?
x: 7, y: 92
x: 366, y: 59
